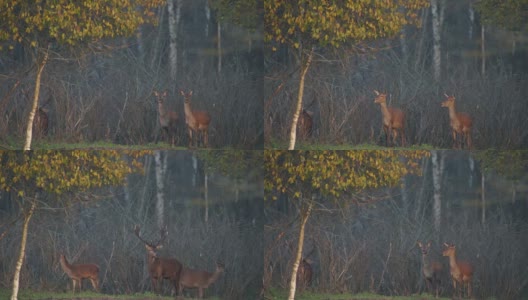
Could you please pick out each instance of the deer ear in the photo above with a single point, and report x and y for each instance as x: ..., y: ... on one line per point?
x: 190, y: 93
x: 376, y: 92
x: 182, y: 92
x: 445, y: 94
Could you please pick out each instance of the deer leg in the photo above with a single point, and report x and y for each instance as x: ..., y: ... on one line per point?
x: 403, y: 137
x: 206, y: 139
x: 74, y: 282
x: 190, y: 137
x: 95, y: 283
x: 394, y: 136
x: 200, y: 293
x: 387, y: 133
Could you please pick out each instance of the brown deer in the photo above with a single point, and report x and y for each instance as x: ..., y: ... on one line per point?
x: 430, y: 268
x: 160, y: 268
x: 197, y: 121
x: 40, y: 122
x: 78, y: 272
x: 305, y: 124
x: 304, y: 274
x: 460, y: 122
x: 199, y: 279
x: 461, y: 271
x: 393, y: 120
x: 168, y: 119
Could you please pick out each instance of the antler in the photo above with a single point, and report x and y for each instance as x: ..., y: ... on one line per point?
x: 136, y: 232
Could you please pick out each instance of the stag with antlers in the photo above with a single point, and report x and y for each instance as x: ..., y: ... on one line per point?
x: 160, y: 268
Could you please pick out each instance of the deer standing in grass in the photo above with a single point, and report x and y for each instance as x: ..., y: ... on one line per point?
x: 461, y: 271
x: 305, y: 124
x: 168, y: 119
x: 430, y: 268
x: 160, y: 268
x: 460, y: 122
x: 304, y: 274
x: 78, y: 272
x: 393, y: 120
x: 40, y: 122
x: 197, y: 121
x: 199, y: 279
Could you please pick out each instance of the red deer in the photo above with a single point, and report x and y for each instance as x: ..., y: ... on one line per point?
x: 40, y: 122
x: 304, y: 274
x: 393, y: 120
x: 160, y: 268
x: 460, y: 124
x: 305, y: 124
x: 168, y: 119
x: 199, y: 279
x: 461, y: 271
x: 197, y: 121
x: 430, y: 268
x: 78, y: 272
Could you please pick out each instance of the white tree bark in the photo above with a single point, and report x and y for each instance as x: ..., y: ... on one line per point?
x: 483, y: 49
x: 483, y: 197
x: 22, y: 253
x: 207, y: 10
x: 174, y: 10
x: 219, y: 46
x: 471, y: 13
x: 437, y: 10
x: 161, y: 169
x: 206, y: 196
x: 305, y: 214
x: 437, y: 158
x: 304, y: 69
x: 32, y: 112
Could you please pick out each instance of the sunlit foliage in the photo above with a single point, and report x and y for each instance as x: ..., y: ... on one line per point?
x: 322, y: 22
x: 335, y: 173
x: 67, y: 22
x: 58, y: 172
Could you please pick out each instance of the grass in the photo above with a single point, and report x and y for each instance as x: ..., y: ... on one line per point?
x: 100, y: 145
x: 41, y: 295
x: 275, y: 294
x: 274, y: 145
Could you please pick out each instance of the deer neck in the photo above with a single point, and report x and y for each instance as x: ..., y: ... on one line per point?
x: 214, y: 277
x: 385, y: 112
x: 161, y: 109
x: 453, y: 263
x: 65, y: 265
x: 189, y: 116
x: 452, y: 112
x: 426, y: 260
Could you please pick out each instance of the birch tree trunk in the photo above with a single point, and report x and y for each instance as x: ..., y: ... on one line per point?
x: 305, y: 214
x: 298, y: 106
x: 471, y: 13
x: 22, y: 253
x: 437, y: 158
x: 437, y: 10
x: 483, y: 197
x: 174, y: 20
x: 207, y: 10
x: 206, y: 196
x: 32, y: 112
x: 219, y: 46
x: 157, y: 44
x: 161, y: 168
x: 483, y: 49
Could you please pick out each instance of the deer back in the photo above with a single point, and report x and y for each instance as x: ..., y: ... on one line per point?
x: 198, y: 278
x: 40, y: 122
x: 79, y: 271
x: 304, y: 273
x: 305, y: 123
